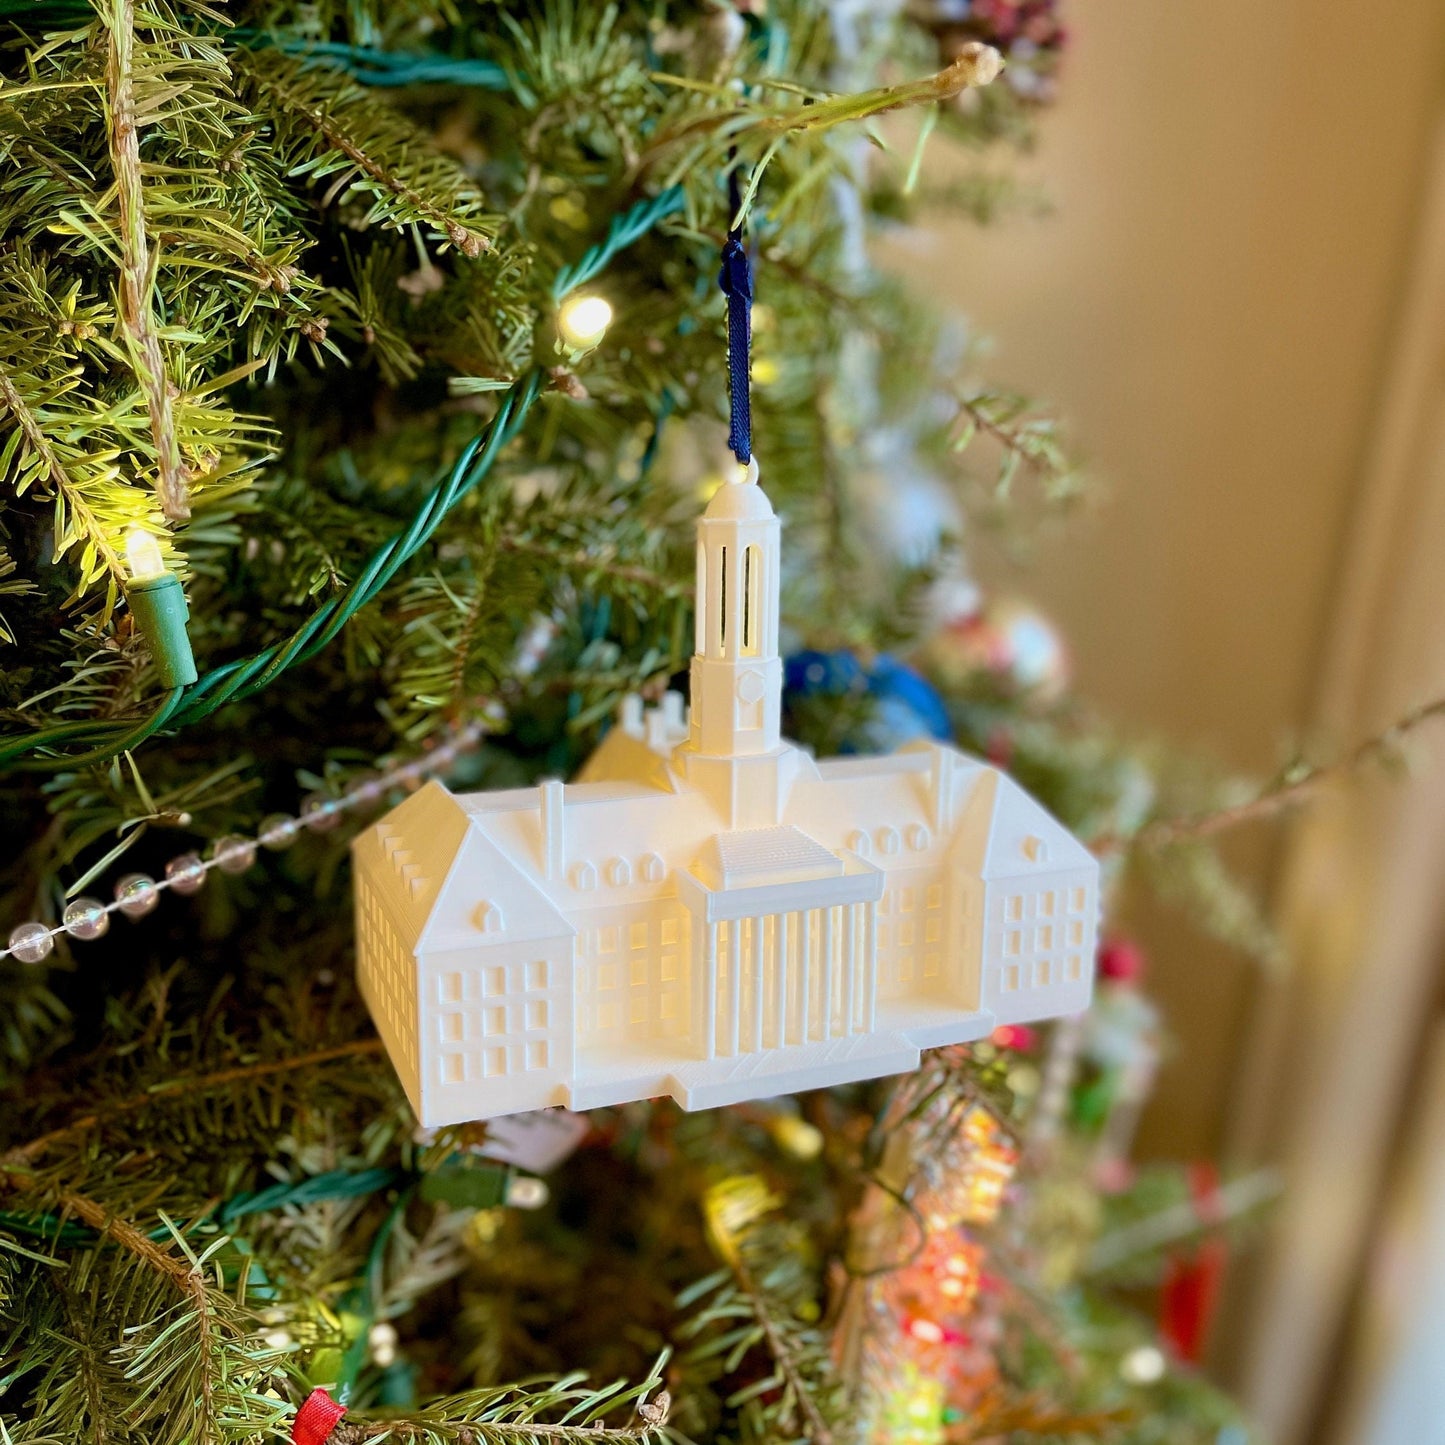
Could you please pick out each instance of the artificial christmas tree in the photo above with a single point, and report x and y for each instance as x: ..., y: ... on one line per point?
x: 361, y: 377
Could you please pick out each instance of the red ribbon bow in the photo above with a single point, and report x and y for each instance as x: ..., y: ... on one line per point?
x: 316, y: 1419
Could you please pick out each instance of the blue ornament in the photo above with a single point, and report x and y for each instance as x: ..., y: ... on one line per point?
x: 904, y: 690
x: 823, y: 674
x: 906, y: 706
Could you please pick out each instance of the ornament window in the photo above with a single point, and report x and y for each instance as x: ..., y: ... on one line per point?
x: 699, y: 621
x: 722, y: 604
x: 752, y: 600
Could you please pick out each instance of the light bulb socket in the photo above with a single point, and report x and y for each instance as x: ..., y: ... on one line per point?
x: 158, y: 608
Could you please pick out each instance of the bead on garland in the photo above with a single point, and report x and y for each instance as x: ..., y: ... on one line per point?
x: 137, y: 894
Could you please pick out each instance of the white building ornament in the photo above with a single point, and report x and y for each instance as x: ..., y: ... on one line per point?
x: 709, y: 912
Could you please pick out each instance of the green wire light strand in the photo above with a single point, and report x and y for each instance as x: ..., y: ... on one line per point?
x: 248, y: 676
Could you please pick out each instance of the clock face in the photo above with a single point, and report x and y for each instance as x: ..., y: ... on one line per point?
x: 750, y: 687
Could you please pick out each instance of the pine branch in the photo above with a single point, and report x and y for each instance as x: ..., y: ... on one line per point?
x: 136, y: 275
x: 582, y: 564
x: 1025, y: 441
x: 38, y: 460
x: 762, y: 1300
x: 194, y: 1084
x: 782, y: 1353
x: 976, y: 65
x: 468, y: 1432
x: 184, y: 1276
x: 333, y: 129
x: 508, y: 1415
x: 1297, y: 785
x: 89, y: 1373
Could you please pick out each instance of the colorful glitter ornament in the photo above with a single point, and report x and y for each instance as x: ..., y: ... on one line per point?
x: 1007, y: 643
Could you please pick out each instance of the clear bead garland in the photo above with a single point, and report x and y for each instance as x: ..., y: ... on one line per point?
x: 136, y: 894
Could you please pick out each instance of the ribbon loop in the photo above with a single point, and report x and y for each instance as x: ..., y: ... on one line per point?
x: 736, y: 282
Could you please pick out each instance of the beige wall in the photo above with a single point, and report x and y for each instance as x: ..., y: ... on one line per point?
x: 1234, y: 190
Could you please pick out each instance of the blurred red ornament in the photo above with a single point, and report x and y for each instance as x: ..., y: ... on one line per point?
x: 1190, y: 1294
x: 1114, y: 1175
x: 1018, y: 1037
x: 1000, y: 748
x: 1121, y: 960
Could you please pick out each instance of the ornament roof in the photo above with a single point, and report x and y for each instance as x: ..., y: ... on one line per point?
x: 765, y: 855
x: 880, y: 810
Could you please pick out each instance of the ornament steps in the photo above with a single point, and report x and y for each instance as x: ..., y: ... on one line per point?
x: 698, y: 1084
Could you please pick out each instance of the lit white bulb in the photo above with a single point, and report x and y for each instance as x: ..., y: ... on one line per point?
x: 1143, y: 1366
x: 381, y: 1339
x: 583, y: 321
x: 526, y: 1192
x: 143, y: 557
